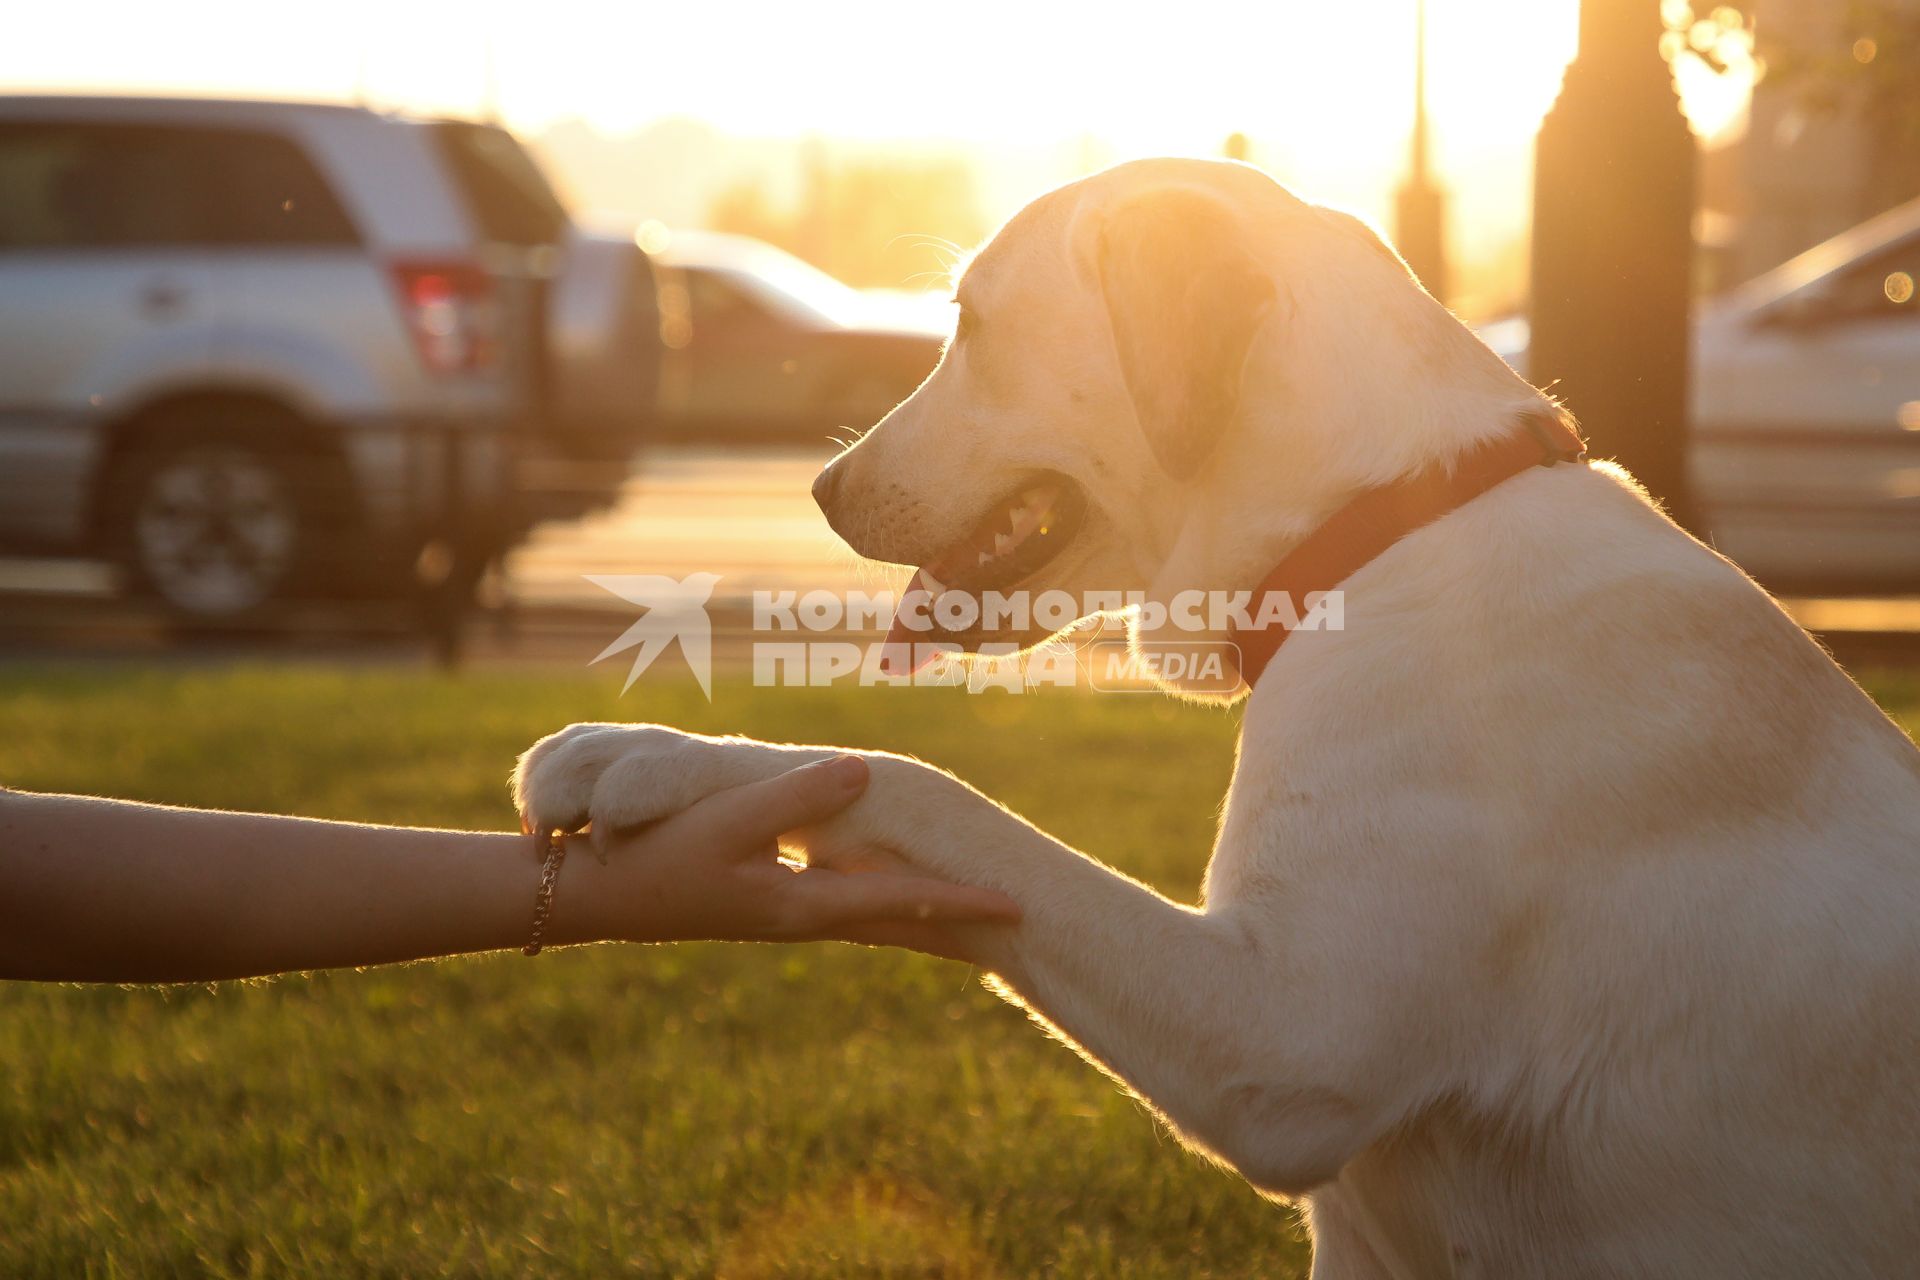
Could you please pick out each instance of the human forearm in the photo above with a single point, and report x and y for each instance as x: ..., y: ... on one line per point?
x: 104, y: 890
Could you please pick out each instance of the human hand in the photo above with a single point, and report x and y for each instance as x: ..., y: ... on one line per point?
x: 714, y: 870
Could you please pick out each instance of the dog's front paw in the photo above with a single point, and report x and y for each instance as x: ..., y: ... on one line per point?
x: 614, y: 775
x: 619, y: 776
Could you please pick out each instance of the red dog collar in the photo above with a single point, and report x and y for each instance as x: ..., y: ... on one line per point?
x: 1378, y: 518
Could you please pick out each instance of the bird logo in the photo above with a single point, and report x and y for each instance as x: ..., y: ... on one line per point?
x: 673, y: 609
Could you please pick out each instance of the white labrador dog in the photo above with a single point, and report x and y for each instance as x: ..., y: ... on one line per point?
x: 1565, y: 916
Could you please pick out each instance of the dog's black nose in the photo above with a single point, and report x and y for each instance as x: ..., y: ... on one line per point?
x: 823, y: 487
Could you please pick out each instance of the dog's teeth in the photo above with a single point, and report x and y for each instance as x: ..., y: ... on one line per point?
x: 1014, y: 513
x: 930, y: 584
x: 986, y: 557
x: 1002, y: 544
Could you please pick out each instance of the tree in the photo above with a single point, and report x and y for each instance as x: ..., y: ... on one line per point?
x: 1865, y: 68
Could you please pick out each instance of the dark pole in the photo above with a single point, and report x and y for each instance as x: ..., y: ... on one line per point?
x: 1420, y: 206
x: 1613, y: 249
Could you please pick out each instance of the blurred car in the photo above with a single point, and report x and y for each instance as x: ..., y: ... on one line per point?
x: 771, y: 348
x: 258, y: 349
x: 1805, y: 445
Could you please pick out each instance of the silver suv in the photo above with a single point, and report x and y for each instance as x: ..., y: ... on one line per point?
x: 256, y: 349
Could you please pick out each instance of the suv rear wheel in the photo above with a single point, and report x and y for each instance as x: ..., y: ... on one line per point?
x: 218, y: 519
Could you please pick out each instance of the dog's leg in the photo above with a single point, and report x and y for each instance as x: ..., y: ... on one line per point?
x: 1253, y: 1048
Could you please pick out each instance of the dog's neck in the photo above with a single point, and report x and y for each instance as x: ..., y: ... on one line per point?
x: 1302, y: 451
x: 1379, y: 518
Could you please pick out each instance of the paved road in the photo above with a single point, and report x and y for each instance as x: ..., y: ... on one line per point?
x: 744, y: 515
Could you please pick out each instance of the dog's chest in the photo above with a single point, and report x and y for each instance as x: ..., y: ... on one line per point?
x: 1419, y: 1208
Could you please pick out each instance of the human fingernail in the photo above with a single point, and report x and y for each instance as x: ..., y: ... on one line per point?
x: 849, y: 771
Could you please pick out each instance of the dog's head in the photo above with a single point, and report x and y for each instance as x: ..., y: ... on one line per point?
x: 1130, y: 348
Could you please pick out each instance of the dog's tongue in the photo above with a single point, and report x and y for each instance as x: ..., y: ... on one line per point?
x: 897, y: 651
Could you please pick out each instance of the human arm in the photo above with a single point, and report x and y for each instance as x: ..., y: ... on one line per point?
x: 95, y: 890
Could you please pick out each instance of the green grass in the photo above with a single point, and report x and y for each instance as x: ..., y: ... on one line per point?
x: 671, y: 1111
x: 674, y: 1111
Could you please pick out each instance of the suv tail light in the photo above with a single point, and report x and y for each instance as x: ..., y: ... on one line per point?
x: 449, y: 309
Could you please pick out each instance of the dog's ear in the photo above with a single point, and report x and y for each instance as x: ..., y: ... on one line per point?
x: 1184, y: 294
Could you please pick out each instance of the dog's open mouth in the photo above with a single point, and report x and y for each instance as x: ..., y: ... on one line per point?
x: 1020, y: 535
